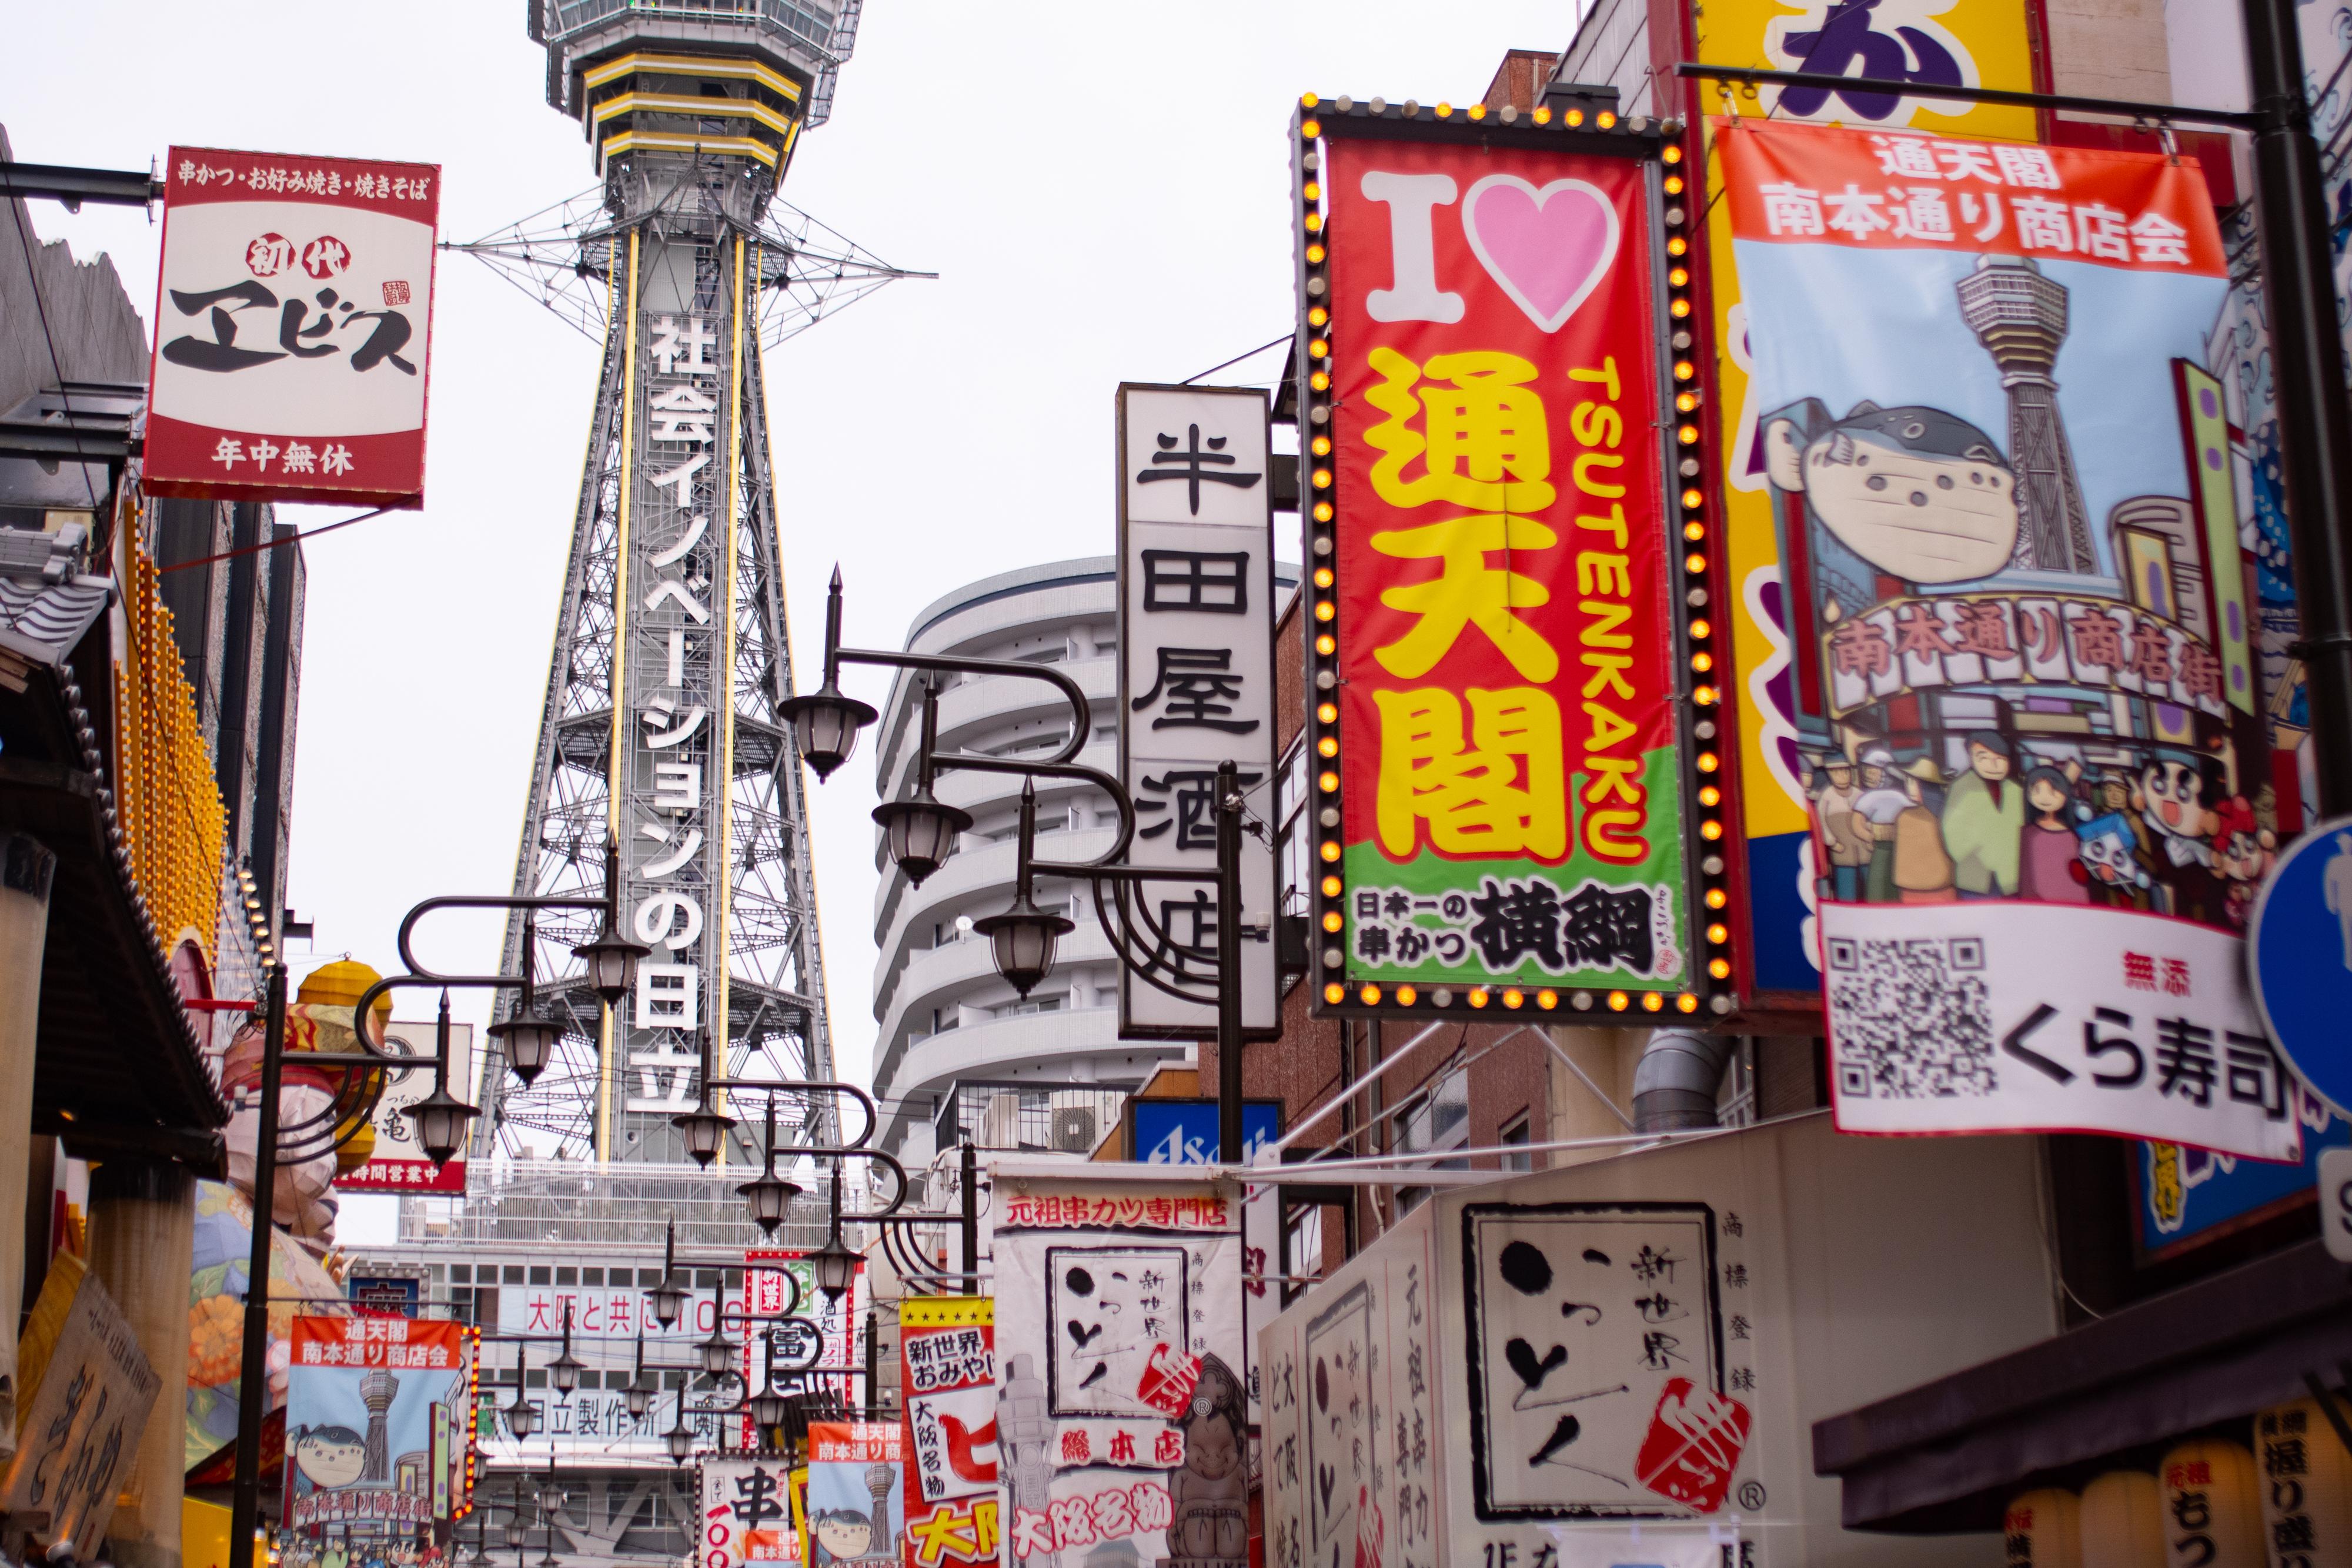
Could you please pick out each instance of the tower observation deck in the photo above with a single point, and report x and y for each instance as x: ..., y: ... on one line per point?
x: 2019, y: 316
x: 660, y: 729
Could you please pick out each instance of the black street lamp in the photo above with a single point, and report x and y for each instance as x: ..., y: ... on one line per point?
x: 516, y: 1528
x: 521, y: 1415
x: 680, y: 1437
x: 441, y: 1118
x: 833, y: 1264
x: 638, y: 1397
x: 718, y: 1352
x: 565, y: 1371
x: 669, y: 1296
x: 767, y: 1406
x: 768, y: 1194
x: 921, y: 830
x: 826, y: 723
x: 1023, y: 937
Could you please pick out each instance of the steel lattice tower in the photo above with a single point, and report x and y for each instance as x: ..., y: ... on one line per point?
x: 671, y: 652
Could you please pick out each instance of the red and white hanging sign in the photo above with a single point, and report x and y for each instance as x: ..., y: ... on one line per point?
x: 292, y: 321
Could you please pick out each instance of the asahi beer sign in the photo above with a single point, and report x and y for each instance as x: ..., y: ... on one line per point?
x: 1196, y: 679
x: 292, y: 322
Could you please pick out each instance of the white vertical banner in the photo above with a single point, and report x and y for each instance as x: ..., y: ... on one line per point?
x: 1122, y: 1420
x: 1196, y: 608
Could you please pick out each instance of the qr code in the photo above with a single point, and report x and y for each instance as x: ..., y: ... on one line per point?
x: 1912, y: 1016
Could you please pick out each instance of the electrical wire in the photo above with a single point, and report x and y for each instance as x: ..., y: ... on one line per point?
x: 273, y: 544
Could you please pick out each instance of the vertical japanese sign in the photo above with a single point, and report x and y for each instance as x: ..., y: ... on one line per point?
x: 399, y: 1163
x: 1987, y: 429
x: 853, y: 1483
x: 1926, y: 43
x: 1196, y: 679
x: 1355, y: 1448
x: 1499, y: 620
x: 79, y: 1435
x: 946, y: 1378
x: 743, y: 1513
x: 365, y: 1396
x: 672, y: 762
x: 292, y: 318
x: 1600, y: 1380
x: 840, y: 1322
x: 1121, y: 1418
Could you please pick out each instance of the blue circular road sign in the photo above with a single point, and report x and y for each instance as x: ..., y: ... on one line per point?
x: 2299, y: 958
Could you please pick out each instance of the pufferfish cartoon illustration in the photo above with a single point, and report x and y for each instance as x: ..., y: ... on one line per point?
x: 1912, y: 493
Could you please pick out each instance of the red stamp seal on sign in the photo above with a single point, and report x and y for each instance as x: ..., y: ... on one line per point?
x: 1168, y: 1380
x: 1693, y: 1444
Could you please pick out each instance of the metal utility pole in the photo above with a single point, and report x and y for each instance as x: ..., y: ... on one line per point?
x: 1229, y: 963
x: 2314, y: 412
x: 970, y: 1191
x: 245, y: 1511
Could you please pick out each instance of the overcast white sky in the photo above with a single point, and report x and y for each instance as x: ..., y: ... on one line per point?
x: 1101, y: 184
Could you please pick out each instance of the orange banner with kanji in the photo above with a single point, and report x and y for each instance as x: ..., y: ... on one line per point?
x: 1891, y: 191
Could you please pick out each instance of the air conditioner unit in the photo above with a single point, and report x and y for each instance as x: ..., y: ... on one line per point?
x: 1000, y: 1123
x: 1074, y: 1129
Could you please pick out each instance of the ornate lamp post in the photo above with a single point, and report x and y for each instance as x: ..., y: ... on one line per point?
x: 1023, y: 937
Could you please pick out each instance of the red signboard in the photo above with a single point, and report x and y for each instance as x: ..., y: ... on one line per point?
x: 1503, y: 611
x: 292, y: 319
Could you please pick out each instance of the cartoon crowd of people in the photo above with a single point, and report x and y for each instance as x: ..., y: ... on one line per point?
x: 2171, y: 834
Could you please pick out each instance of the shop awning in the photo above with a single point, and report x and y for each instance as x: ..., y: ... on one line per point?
x: 1947, y: 1455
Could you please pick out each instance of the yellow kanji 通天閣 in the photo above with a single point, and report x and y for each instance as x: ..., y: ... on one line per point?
x: 1484, y: 443
x: 1502, y: 793
x: 1468, y: 593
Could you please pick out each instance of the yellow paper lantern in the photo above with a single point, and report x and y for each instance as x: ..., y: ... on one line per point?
x: 2122, y: 1517
x: 2210, y: 1497
x: 2305, y: 1479
x: 2043, y: 1529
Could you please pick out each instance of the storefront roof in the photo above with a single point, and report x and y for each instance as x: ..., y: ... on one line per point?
x: 118, y: 1063
x: 1949, y: 1455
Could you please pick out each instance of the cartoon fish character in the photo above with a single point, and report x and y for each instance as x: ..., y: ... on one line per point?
x: 1911, y: 492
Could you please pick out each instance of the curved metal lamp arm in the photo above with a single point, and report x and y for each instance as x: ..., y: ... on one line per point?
x: 1149, y: 959
x: 877, y: 1155
x: 760, y: 1086
x: 1082, y: 720
x: 480, y: 900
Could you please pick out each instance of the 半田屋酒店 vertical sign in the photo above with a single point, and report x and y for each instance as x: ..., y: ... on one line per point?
x: 1510, y: 680
x: 1196, y: 686
x: 292, y: 314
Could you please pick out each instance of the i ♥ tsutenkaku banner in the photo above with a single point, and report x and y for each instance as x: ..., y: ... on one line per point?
x: 2027, y: 692
x: 1506, y: 717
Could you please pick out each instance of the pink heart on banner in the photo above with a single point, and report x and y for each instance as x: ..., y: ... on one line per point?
x: 1549, y: 248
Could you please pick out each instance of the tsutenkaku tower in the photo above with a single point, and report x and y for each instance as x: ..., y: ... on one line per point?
x: 671, y: 654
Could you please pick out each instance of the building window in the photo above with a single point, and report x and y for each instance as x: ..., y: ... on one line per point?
x: 1294, y: 856
x: 1439, y: 1120
x: 1517, y: 1133
x: 1303, y: 1245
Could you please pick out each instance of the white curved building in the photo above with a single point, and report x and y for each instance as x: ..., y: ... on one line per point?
x: 944, y: 1016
